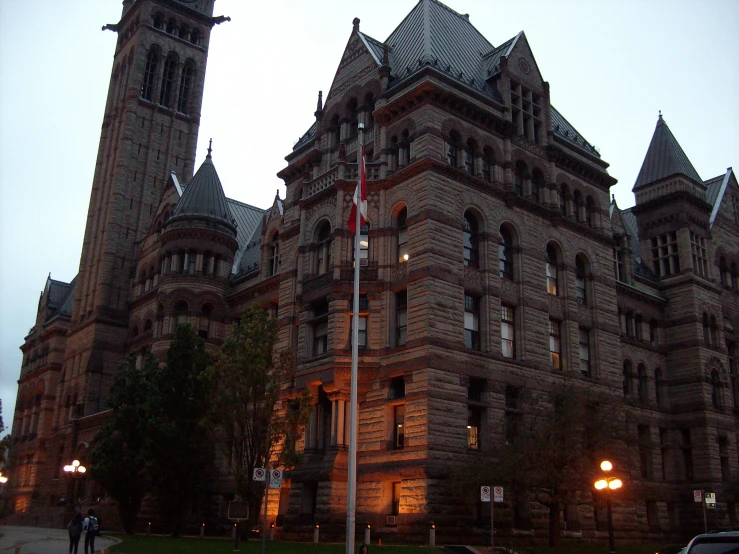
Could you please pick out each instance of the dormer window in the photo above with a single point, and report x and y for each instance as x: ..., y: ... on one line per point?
x: 525, y: 112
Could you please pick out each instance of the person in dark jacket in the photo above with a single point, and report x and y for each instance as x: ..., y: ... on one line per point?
x: 91, y: 525
x: 75, y: 532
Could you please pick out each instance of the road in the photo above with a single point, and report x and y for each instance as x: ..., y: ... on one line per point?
x: 38, y: 540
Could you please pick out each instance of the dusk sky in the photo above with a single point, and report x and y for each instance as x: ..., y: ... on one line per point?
x: 611, y: 65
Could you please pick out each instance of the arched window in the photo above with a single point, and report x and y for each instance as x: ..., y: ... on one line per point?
x: 589, y: 210
x: 158, y: 20
x: 323, y: 250
x: 519, y: 174
x: 487, y: 165
x: 393, y: 154
x: 274, y: 256
x: 537, y: 184
x: 452, y: 149
x: 170, y: 66
x: 147, y: 87
x: 627, y: 376
x: 581, y: 273
x: 659, y: 392
x: 706, y: 330
x: 563, y: 194
x: 715, y: 340
x: 470, y: 153
x: 552, y: 270
x: 505, y: 253
x: 642, y: 382
x: 195, y: 37
x: 471, y: 253
x: 180, y: 313
x: 577, y: 205
x: 188, y: 71
x: 184, y: 31
x: 715, y: 389
x: 402, y: 223
x: 172, y: 26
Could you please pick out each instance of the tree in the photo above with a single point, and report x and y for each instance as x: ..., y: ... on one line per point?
x: 247, y: 385
x: 556, y: 451
x: 118, y: 453
x: 180, y: 440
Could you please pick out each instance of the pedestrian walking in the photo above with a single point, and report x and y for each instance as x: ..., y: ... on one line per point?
x: 91, y: 525
x: 75, y: 532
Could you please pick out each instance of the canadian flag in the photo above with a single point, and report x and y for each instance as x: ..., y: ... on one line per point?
x: 361, y: 192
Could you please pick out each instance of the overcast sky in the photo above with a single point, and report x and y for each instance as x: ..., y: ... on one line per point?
x: 611, y: 66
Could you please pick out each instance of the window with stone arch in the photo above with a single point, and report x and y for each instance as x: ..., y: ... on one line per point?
x: 553, y: 262
x: 487, y: 164
x: 506, y: 257
x: 471, y: 240
x: 452, y: 149
x: 150, y: 71
x: 589, y: 211
x: 183, y: 96
x: 168, y: 76
x: 537, y: 184
x: 627, y: 374
x: 470, y: 156
x: 273, y: 263
x: 716, y: 399
x: 520, y: 172
x: 180, y: 313
x: 402, y: 240
x: 582, y: 277
x: 642, y: 382
x: 323, y: 248
x: 577, y: 206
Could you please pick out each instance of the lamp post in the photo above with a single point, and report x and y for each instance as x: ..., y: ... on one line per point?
x: 75, y: 470
x: 609, y: 484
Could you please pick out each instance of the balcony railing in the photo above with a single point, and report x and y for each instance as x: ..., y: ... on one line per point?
x: 351, y: 173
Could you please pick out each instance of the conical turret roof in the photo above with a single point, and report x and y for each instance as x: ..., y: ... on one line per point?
x: 664, y: 158
x: 204, y: 197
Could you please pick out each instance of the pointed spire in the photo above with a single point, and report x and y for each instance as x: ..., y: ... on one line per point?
x: 319, y: 106
x: 664, y: 158
x: 210, y: 150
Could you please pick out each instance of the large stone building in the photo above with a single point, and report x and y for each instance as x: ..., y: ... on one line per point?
x: 494, y: 262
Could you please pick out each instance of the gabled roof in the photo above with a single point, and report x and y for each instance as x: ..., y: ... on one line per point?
x: 563, y: 129
x: 248, y: 220
x: 491, y: 60
x: 715, y: 189
x: 664, y: 158
x: 641, y: 269
x: 204, y: 197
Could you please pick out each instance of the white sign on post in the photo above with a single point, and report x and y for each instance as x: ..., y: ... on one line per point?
x: 485, y: 494
x: 697, y: 496
x: 275, y: 479
x: 260, y: 474
x: 498, y: 494
x: 710, y: 498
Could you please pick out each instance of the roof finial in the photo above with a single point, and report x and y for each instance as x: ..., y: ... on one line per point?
x: 320, y: 101
x: 210, y: 148
x: 385, y: 57
x: 660, y: 114
x: 277, y: 194
x: 356, y: 25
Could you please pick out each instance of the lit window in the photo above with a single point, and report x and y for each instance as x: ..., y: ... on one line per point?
x: 399, y: 426
x: 552, y: 271
x: 472, y: 322
x: 555, y: 347
x: 474, y: 422
x: 508, y: 331
x: 585, y: 352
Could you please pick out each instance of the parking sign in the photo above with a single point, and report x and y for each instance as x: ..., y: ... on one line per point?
x: 485, y: 494
x: 498, y: 494
x: 260, y: 474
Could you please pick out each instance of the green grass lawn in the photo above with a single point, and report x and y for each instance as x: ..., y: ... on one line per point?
x: 141, y: 544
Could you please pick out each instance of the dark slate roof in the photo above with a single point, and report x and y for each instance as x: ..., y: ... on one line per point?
x: 433, y: 34
x: 664, y: 157
x: 491, y: 60
x: 375, y: 46
x: 248, y: 219
x: 563, y: 129
x: 249, y: 262
x: 715, y: 189
x: 60, y: 298
x: 640, y: 268
x: 204, y: 197
x: 309, y: 136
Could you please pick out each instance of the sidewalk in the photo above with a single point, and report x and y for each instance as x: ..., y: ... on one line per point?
x: 38, y: 540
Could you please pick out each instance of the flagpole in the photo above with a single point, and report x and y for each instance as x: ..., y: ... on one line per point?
x: 351, y: 502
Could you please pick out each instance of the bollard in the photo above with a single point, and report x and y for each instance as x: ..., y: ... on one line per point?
x: 315, y: 534
x: 432, y: 535
x: 202, y: 530
x: 367, y: 535
x: 148, y: 529
x: 272, y: 531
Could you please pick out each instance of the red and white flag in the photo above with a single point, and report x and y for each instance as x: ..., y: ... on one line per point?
x: 361, y: 192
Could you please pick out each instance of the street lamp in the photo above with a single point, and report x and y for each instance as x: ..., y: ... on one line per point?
x: 3, y: 479
x: 75, y: 470
x: 609, y: 484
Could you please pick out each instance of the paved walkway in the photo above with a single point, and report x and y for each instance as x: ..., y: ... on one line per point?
x: 39, y: 540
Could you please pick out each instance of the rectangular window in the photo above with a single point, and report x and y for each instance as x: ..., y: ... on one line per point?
x: 401, y: 317
x: 397, y: 388
x: 399, y: 425
x: 474, y: 422
x: 362, y: 331
x: 585, y: 352
x: 618, y: 263
x: 396, y: 499
x: 700, y: 257
x: 472, y: 322
x: 555, y: 346
x: 469, y: 162
x: 665, y: 259
x: 320, y: 329
x: 508, y: 331
x: 475, y: 389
